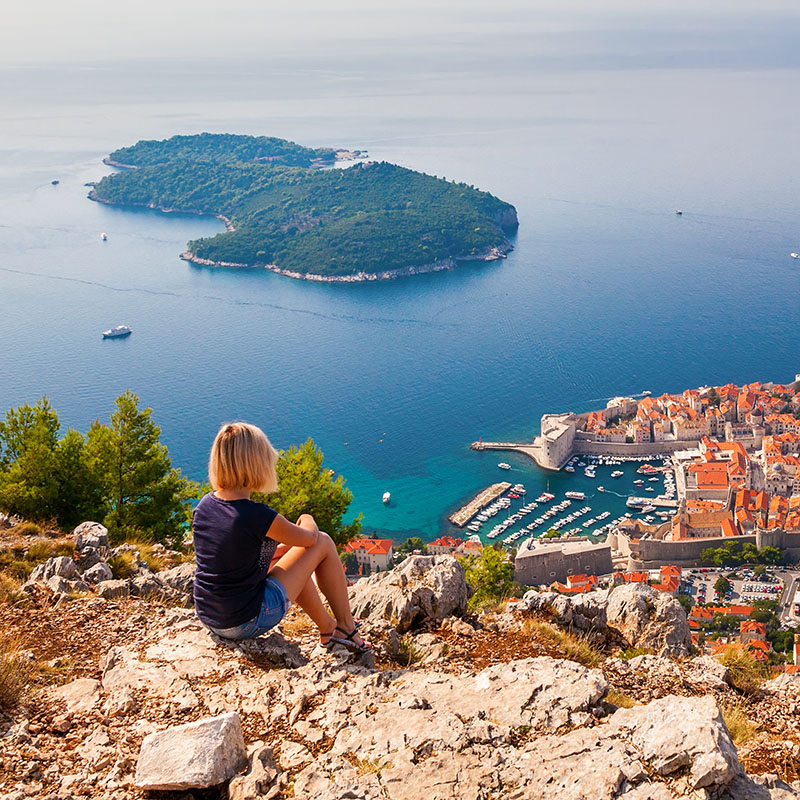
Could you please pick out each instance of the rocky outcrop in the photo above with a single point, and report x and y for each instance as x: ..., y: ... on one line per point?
x: 422, y: 588
x: 90, y: 534
x: 643, y: 617
x: 192, y: 756
x: 649, y: 619
x: 61, y: 567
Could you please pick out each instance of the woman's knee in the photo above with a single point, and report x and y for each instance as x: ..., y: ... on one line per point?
x: 325, y: 542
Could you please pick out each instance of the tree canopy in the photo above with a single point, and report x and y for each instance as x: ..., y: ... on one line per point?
x: 490, y: 576
x: 306, y: 486
x: 372, y: 217
x: 119, y: 473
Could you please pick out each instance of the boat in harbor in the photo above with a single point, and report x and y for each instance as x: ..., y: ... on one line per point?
x: 569, y: 468
x: 795, y: 255
x: 386, y: 498
x: 575, y: 495
x: 617, y: 473
x: 503, y: 465
x: 116, y: 333
x: 590, y: 471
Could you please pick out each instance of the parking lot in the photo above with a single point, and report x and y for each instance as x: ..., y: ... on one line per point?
x: 700, y: 582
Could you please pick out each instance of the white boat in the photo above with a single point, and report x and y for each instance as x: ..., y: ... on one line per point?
x: 795, y: 255
x: 678, y: 212
x: 116, y: 333
x: 386, y: 498
x: 646, y: 393
x: 617, y: 473
x: 569, y: 468
x: 503, y: 465
x: 104, y: 237
x: 575, y: 495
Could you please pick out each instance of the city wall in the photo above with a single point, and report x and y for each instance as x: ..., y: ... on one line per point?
x: 584, y: 446
x: 651, y: 553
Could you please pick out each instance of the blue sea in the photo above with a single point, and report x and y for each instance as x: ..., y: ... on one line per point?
x: 596, y: 137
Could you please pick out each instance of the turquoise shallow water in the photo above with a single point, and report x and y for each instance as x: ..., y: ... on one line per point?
x: 607, y: 291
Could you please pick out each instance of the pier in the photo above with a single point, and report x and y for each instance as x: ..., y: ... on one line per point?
x: 480, y: 501
x: 530, y: 450
x: 660, y: 501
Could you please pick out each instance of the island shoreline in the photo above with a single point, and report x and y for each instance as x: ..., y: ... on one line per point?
x: 495, y: 253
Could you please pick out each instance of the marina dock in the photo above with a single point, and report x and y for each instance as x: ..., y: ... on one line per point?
x: 479, y: 502
x: 660, y: 501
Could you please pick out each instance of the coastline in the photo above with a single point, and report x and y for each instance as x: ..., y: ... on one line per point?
x: 492, y: 254
x: 229, y: 226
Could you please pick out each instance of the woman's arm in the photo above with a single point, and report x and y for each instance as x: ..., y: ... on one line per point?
x: 304, y: 534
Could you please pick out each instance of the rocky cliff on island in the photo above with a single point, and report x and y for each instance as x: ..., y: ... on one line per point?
x: 131, y: 697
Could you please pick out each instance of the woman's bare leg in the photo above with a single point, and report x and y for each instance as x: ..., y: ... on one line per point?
x: 294, y: 570
x: 310, y: 601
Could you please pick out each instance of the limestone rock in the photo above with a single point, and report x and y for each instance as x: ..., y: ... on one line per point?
x: 674, y: 733
x: 705, y: 672
x: 60, y: 566
x: 78, y: 696
x: 649, y: 619
x: 421, y: 588
x: 427, y: 712
x: 259, y: 778
x: 293, y: 755
x: 98, y: 573
x: 90, y: 534
x: 180, y: 577
x: 114, y: 589
x: 195, y: 755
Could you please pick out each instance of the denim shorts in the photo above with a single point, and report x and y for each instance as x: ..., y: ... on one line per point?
x: 274, y: 604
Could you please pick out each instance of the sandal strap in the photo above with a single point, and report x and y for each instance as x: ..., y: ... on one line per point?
x: 348, y: 636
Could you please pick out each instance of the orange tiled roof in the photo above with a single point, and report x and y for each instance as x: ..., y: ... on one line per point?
x: 372, y: 546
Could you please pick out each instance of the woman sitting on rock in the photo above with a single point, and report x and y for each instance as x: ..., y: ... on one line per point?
x: 244, y: 583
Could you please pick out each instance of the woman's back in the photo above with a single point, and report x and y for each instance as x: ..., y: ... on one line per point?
x: 233, y: 555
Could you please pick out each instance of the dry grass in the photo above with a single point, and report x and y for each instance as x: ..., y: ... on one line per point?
x: 123, y: 565
x: 573, y: 646
x: 28, y: 529
x: 43, y: 549
x: 739, y: 725
x: 746, y: 674
x: 16, y: 670
x: 154, y: 562
x: 620, y: 699
x: 408, y: 652
x: 11, y: 591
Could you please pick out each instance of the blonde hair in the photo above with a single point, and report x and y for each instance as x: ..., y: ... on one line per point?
x: 243, y: 458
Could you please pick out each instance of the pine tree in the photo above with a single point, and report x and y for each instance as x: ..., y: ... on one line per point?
x: 145, y: 496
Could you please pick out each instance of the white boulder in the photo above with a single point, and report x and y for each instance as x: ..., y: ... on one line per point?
x: 192, y: 756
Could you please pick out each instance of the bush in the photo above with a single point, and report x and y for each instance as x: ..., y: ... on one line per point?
x: 738, y: 723
x: 565, y: 644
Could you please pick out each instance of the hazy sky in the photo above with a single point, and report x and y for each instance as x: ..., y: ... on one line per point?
x: 88, y: 30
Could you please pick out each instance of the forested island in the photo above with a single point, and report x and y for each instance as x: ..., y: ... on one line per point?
x: 285, y: 212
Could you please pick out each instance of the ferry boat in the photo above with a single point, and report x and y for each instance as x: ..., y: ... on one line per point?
x: 503, y: 465
x: 116, y: 333
x: 617, y: 473
x: 386, y: 498
x: 575, y: 495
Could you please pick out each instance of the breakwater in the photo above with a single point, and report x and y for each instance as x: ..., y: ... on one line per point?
x: 479, y: 502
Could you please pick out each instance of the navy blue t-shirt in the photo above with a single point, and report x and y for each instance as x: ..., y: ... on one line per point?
x: 233, y: 555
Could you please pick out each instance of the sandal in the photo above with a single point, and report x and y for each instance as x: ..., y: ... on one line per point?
x: 347, y: 640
